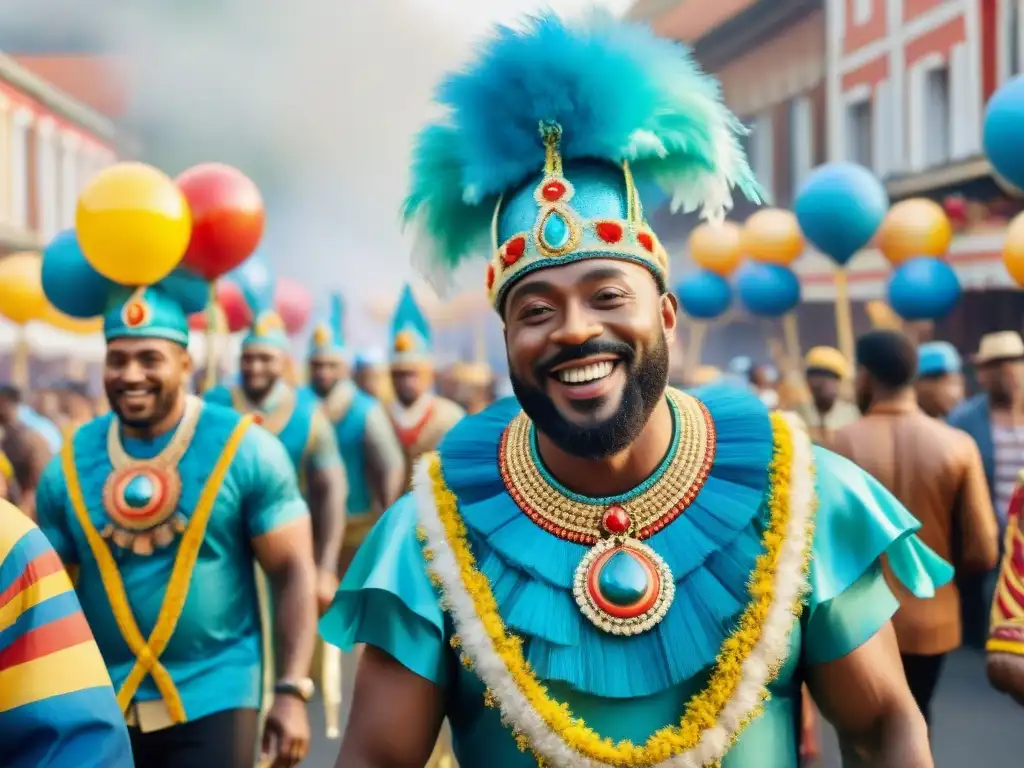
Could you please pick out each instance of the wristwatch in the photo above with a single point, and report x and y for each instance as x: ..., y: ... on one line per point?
x: 303, y: 688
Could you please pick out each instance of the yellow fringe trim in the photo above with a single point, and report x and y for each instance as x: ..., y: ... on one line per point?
x: 147, y: 652
x: 705, y: 708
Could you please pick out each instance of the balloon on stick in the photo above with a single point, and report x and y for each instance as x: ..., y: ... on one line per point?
x: 190, y: 291
x: 232, y: 305
x: 768, y: 290
x: 912, y: 228
x: 772, y: 236
x: 227, y: 218
x: 924, y: 288
x: 293, y: 303
x: 71, y: 284
x: 839, y: 208
x: 21, y: 288
x: 703, y: 295
x: 133, y: 223
x: 716, y: 247
x: 1004, y: 116
x: 1013, y: 249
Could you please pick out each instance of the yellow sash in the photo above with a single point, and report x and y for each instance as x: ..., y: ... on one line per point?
x: 147, y: 652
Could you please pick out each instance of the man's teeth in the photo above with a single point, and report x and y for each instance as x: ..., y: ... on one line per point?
x: 586, y: 373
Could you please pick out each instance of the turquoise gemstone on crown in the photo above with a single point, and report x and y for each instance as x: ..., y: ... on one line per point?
x: 555, y: 231
x: 139, y: 491
x: 623, y: 580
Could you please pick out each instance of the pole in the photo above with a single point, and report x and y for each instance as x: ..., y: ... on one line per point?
x: 20, y: 363
x: 213, y: 334
x: 697, y: 333
x: 844, y: 316
x: 791, y: 332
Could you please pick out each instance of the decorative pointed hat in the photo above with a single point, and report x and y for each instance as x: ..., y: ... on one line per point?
x: 328, y: 339
x: 267, y: 329
x: 411, y: 343
x: 548, y: 134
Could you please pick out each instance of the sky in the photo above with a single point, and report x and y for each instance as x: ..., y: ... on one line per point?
x: 317, y: 99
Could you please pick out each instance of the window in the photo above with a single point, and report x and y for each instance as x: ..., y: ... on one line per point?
x: 801, y: 141
x: 862, y: 10
x: 19, y: 167
x: 68, y: 179
x: 763, y: 143
x: 936, y: 116
x: 47, y: 179
x: 859, y: 119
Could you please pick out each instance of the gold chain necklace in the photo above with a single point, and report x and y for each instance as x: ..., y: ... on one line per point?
x: 621, y: 585
x: 141, y: 496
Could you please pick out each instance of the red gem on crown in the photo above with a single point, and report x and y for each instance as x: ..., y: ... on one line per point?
x: 134, y: 314
x: 615, y: 519
x: 514, y: 250
x: 609, y: 231
x: 645, y: 239
x: 553, y: 191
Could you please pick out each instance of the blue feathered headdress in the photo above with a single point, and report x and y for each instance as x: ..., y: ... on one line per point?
x: 547, y: 121
x: 328, y: 339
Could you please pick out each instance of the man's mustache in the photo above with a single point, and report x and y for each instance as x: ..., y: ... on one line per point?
x: 587, y: 349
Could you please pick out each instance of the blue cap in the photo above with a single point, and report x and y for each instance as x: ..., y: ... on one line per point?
x: 411, y: 342
x: 146, y: 313
x: 935, y: 358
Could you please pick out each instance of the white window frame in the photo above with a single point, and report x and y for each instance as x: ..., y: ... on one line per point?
x: 21, y: 124
x: 47, y: 179
x: 1004, y: 45
x: 917, y: 79
x: 763, y: 137
x: 862, y: 11
x: 70, y: 147
x: 852, y: 98
x: 881, y: 127
x: 801, y: 141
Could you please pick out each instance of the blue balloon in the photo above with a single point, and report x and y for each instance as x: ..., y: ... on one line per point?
x: 1004, y: 126
x: 768, y: 290
x: 923, y: 289
x: 191, y: 291
x: 704, y: 295
x: 69, y: 281
x: 256, y: 279
x: 839, y: 209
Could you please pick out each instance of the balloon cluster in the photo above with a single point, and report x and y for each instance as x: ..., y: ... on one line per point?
x: 1004, y: 122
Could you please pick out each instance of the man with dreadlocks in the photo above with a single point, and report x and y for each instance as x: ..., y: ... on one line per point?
x: 629, y: 575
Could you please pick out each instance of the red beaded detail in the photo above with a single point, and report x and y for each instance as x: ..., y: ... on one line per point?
x: 645, y: 239
x: 553, y: 191
x: 257, y: 419
x: 644, y: 533
x: 490, y: 276
x: 615, y: 519
x: 609, y: 231
x: 514, y: 250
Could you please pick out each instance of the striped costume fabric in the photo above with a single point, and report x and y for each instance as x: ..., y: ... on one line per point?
x: 57, y: 706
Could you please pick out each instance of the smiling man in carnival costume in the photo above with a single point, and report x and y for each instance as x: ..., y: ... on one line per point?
x: 420, y: 416
x: 374, y: 463
x: 295, y: 417
x: 630, y: 576
x: 163, y: 505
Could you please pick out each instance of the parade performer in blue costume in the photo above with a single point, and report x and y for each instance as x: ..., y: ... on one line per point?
x: 628, y: 574
x: 295, y: 416
x: 163, y: 506
x: 420, y: 416
x: 374, y: 464
x: 56, y: 702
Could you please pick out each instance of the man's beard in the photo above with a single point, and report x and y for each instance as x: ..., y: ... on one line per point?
x: 166, y: 399
x: 645, y: 386
x: 257, y: 396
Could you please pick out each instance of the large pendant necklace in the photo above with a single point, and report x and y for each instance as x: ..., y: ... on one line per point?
x: 621, y: 585
x: 141, y: 496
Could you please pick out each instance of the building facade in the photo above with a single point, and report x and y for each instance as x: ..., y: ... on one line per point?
x: 50, y: 145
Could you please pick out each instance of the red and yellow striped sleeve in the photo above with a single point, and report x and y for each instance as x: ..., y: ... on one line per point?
x: 56, y: 700
x: 1006, y: 631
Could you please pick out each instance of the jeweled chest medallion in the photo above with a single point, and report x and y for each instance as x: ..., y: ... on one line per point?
x: 621, y: 585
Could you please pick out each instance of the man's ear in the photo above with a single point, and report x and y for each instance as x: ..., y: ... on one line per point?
x: 669, y: 316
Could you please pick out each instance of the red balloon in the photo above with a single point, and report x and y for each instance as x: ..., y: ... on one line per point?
x: 233, y: 305
x: 294, y: 304
x: 227, y: 218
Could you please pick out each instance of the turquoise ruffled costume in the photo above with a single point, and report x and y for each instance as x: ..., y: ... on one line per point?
x: 629, y: 687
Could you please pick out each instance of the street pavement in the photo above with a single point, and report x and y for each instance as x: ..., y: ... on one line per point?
x: 974, y: 727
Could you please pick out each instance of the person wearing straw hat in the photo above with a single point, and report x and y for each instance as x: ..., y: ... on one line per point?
x: 899, y: 445
x: 940, y: 379
x: 606, y: 571
x: 163, y: 505
x: 825, y: 369
x: 995, y: 419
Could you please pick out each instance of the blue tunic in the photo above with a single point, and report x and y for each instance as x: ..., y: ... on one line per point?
x: 630, y: 687
x: 214, y: 655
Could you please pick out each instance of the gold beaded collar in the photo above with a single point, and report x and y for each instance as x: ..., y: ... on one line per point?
x: 646, y: 509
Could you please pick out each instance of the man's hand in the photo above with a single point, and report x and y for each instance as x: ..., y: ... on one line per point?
x: 286, y: 733
x: 326, y: 587
x: 1006, y: 674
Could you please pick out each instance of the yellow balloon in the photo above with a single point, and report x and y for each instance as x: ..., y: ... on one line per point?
x: 773, y: 236
x: 716, y: 247
x: 915, y: 227
x: 56, y: 318
x: 21, y: 287
x: 133, y: 223
x: 1013, y: 249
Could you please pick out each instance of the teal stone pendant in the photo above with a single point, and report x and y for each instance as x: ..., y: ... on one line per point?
x: 622, y: 585
x: 141, y: 500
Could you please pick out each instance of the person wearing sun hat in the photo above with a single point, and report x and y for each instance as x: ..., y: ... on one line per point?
x: 162, y: 506
x: 420, y: 416
x: 825, y: 411
x: 606, y: 571
x: 940, y: 380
